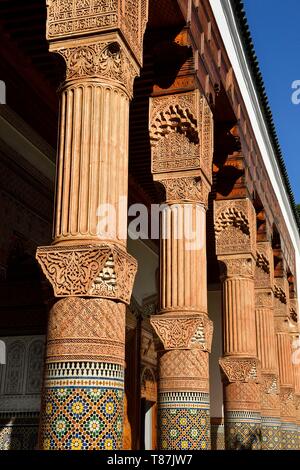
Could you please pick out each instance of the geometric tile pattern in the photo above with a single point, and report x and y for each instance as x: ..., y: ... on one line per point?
x: 184, y: 421
x: 242, y: 430
x: 289, y: 436
x: 19, y: 433
x: 83, y: 412
x: 270, y: 433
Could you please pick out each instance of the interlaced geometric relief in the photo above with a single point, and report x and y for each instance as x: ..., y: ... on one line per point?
x: 86, y: 329
x: 184, y: 421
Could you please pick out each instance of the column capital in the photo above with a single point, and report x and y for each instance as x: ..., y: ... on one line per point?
x: 270, y: 382
x: 103, y: 271
x: 184, y: 189
x: 181, y: 136
x: 67, y: 19
x: 235, y: 227
x: 187, y: 331
x: 232, y: 266
x: 240, y: 369
x: 105, y: 59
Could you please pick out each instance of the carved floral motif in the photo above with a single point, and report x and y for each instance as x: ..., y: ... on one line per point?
x: 270, y: 384
x: 106, y: 60
x: 234, y: 267
x: 184, y: 189
x: 87, y: 271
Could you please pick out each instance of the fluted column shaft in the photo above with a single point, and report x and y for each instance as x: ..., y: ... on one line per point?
x: 267, y: 347
x: 183, y: 400
x: 286, y: 373
x: 87, y: 264
x: 92, y: 162
x: 181, y: 142
x: 235, y: 242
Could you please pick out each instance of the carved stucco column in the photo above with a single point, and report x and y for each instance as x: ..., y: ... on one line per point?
x: 181, y: 130
x: 289, y: 435
x: 266, y: 347
x: 89, y: 269
x: 295, y: 340
x: 294, y: 316
x: 235, y: 230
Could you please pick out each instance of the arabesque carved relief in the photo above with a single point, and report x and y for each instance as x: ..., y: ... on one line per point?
x: 86, y: 271
x: 240, y: 369
x: 73, y: 18
x: 237, y: 267
x: 186, y: 189
x: 186, y: 332
x: 108, y: 60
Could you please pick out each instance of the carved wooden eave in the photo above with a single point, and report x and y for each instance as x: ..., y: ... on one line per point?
x: 219, y: 52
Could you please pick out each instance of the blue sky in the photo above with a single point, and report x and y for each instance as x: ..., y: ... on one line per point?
x: 275, y: 30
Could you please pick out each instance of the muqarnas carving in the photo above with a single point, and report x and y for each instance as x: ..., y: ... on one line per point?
x: 235, y: 227
x: 181, y: 133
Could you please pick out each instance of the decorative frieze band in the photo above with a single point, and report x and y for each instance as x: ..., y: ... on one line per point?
x: 103, y: 271
x: 184, y: 332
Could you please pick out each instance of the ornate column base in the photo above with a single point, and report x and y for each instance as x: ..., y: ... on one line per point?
x: 242, y: 430
x: 183, y: 408
x: 289, y: 436
x: 270, y: 411
x: 242, y: 402
x: 184, y: 421
x: 289, y: 428
x: 82, y: 405
x: 270, y: 433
